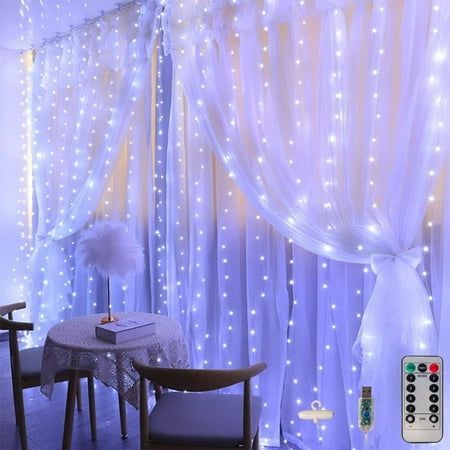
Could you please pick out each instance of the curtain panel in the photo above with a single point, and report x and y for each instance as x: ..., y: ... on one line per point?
x: 85, y: 88
x: 331, y: 117
x: 245, y: 293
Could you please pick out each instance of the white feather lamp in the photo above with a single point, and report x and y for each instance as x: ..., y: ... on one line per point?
x: 112, y: 250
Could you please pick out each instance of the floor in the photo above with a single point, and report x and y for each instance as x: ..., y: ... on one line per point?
x: 43, y: 414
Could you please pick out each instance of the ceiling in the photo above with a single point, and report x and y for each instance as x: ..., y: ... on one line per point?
x: 48, y: 17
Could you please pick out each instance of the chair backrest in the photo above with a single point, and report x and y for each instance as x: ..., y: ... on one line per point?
x: 8, y: 309
x: 13, y: 327
x: 195, y: 380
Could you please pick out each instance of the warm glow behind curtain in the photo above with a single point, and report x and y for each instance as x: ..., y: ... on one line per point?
x: 331, y: 117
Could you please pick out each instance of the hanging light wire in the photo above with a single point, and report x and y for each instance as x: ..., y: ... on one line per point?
x: 87, y: 22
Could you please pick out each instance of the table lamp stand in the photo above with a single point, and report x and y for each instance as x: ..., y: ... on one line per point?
x: 109, y: 318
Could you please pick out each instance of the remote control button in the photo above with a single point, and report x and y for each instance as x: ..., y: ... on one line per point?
x: 422, y: 367
x: 434, y: 398
x: 411, y: 378
x: 412, y: 388
x: 412, y: 408
x: 410, y: 367
x: 434, y: 368
x: 410, y: 419
x: 433, y: 418
x: 434, y: 388
x: 412, y: 398
x: 434, y: 378
x: 434, y: 408
x: 366, y: 414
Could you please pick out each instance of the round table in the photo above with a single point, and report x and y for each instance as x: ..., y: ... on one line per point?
x: 72, y: 344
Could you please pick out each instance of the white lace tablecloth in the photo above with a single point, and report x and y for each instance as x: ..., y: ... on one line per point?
x: 73, y: 345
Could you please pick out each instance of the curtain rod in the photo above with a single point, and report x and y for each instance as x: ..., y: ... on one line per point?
x: 11, y: 50
x: 86, y: 23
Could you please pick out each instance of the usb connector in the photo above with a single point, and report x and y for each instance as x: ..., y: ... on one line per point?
x: 366, y: 410
x: 366, y: 392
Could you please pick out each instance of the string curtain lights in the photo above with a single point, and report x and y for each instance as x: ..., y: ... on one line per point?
x: 85, y: 90
x: 335, y: 128
x: 241, y: 290
x: 227, y: 273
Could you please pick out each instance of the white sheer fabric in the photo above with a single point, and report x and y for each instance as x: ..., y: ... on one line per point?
x: 334, y: 128
x: 243, y: 293
x: 240, y: 290
x: 85, y: 89
x: 227, y: 272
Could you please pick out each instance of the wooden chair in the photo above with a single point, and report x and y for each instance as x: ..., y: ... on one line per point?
x: 26, y: 371
x: 192, y: 420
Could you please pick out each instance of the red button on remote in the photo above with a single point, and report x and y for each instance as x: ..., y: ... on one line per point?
x: 434, y: 368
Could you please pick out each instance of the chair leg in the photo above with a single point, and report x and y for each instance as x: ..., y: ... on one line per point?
x: 123, y: 417
x: 20, y: 417
x: 79, y: 401
x: 255, y: 445
x: 16, y: 404
x: 92, y: 413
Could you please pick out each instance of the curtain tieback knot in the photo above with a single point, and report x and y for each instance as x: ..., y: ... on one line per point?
x: 411, y: 257
x: 44, y: 239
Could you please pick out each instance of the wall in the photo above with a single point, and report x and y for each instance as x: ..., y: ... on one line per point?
x: 11, y: 171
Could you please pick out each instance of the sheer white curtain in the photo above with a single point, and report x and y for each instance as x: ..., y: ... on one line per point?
x: 227, y: 268
x: 243, y: 292
x: 331, y: 117
x: 240, y: 289
x: 85, y: 91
